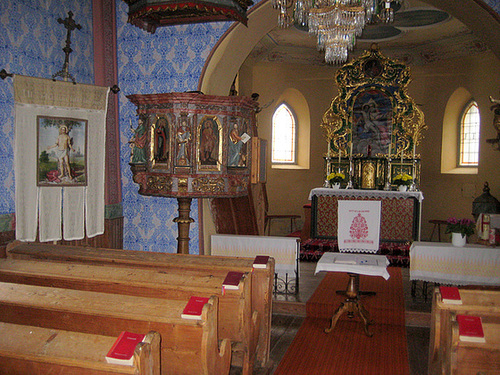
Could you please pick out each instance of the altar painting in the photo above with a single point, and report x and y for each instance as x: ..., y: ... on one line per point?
x: 372, y: 122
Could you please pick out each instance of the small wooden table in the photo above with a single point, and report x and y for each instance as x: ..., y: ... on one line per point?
x: 354, y: 264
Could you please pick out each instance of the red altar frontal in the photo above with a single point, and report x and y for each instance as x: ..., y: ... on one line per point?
x: 399, y: 221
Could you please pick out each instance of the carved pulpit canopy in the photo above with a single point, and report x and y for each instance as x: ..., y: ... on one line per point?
x: 373, y: 117
x: 150, y: 14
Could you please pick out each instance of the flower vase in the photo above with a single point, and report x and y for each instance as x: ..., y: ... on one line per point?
x: 335, y: 185
x: 458, y: 240
x: 402, y: 187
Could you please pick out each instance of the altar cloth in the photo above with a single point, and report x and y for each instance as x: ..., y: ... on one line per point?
x: 362, y: 264
x: 444, y: 263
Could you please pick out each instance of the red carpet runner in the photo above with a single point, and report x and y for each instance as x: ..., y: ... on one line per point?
x: 347, y: 350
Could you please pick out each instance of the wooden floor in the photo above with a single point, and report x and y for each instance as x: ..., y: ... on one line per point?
x: 289, y: 312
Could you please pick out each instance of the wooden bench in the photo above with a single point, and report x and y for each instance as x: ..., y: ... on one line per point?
x: 39, y: 351
x: 261, y: 279
x: 187, y: 346
x: 472, y: 357
x: 235, y: 315
x: 475, y: 301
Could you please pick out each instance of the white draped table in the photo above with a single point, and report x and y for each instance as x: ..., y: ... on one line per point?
x: 446, y: 264
x: 354, y: 264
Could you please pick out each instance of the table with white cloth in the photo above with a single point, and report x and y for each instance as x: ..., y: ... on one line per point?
x: 354, y: 264
x: 444, y: 263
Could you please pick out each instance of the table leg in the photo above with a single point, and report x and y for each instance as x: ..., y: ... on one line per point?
x: 352, y: 305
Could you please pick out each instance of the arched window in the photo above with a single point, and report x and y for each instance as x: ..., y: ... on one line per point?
x: 469, y: 135
x: 284, y: 136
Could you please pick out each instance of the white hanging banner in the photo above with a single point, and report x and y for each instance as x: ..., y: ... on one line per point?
x: 359, y: 226
x: 59, y: 158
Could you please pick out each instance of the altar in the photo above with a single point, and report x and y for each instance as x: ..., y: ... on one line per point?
x: 400, y: 212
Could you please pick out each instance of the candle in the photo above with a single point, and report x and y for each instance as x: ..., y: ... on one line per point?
x: 328, y: 154
x: 390, y: 147
x: 339, y: 156
x: 350, y: 154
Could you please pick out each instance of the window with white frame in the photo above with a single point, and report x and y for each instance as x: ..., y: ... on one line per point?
x: 469, y: 136
x: 284, y: 136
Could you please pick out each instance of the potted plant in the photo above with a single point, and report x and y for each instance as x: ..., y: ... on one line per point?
x: 460, y: 229
x: 335, y: 178
x: 403, y: 180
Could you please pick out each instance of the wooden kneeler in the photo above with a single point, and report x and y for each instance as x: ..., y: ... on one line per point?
x: 39, y: 351
x: 187, y: 346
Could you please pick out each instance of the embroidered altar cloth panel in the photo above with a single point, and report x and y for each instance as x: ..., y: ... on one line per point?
x: 400, y: 213
x: 359, y: 226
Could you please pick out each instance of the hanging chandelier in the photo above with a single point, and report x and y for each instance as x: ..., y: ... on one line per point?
x: 336, y: 23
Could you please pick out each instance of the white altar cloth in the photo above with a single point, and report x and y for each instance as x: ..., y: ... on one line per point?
x: 363, y: 264
x: 366, y: 193
x: 446, y: 264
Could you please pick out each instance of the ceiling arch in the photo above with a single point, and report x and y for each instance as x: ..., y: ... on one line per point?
x: 229, y: 53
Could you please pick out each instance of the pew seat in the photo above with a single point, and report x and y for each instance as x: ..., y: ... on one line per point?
x: 235, y: 320
x: 40, y: 351
x: 187, y: 346
x: 261, y: 279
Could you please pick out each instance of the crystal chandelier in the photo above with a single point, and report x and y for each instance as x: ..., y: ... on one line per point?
x: 336, y: 23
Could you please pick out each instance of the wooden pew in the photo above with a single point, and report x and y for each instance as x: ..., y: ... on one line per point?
x: 187, y: 346
x: 39, y: 351
x: 471, y: 357
x: 485, y: 303
x: 234, y: 321
x: 261, y: 279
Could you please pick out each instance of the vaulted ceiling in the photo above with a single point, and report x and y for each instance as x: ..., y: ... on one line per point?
x: 420, y: 34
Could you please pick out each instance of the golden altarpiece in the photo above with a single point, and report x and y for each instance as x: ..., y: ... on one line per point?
x: 373, y: 126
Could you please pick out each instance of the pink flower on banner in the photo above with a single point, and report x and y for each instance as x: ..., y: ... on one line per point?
x: 359, y: 227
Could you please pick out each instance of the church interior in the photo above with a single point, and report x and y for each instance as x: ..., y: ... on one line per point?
x: 139, y: 171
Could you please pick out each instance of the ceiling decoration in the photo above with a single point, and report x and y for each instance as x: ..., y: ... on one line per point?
x: 419, y: 35
x: 336, y: 23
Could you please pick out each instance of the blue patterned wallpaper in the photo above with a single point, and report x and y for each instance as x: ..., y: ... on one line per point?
x: 31, y: 42
x: 171, y: 60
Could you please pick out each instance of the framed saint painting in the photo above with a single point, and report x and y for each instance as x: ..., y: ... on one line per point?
x: 61, y: 151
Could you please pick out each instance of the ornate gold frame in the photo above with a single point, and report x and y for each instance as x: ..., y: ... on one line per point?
x: 373, y: 71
